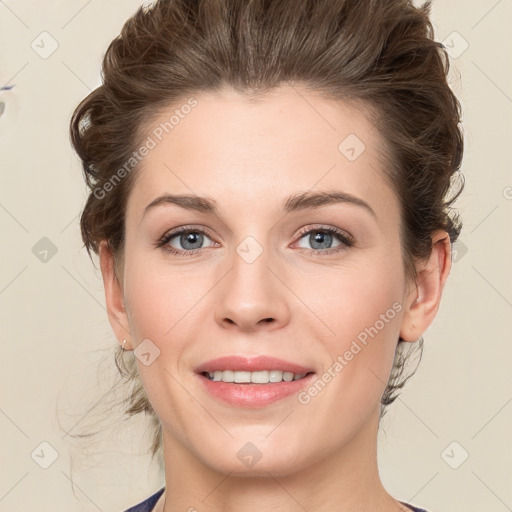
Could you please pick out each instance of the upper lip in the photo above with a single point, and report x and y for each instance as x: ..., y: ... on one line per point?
x: 251, y: 364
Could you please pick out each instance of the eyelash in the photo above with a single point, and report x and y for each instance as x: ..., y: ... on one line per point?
x: 345, y: 239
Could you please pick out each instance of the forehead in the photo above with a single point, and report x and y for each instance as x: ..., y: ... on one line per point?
x: 258, y: 150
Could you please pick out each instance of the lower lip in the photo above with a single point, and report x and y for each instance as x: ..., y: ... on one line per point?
x: 254, y: 395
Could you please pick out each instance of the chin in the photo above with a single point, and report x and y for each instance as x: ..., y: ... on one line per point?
x: 248, y: 459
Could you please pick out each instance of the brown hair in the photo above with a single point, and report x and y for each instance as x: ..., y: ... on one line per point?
x: 378, y: 53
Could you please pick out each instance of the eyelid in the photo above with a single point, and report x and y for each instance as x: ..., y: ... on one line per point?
x: 329, y: 229
x: 185, y: 228
x: 168, y: 235
x: 346, y: 239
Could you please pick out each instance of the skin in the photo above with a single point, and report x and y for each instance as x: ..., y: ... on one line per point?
x: 249, y: 157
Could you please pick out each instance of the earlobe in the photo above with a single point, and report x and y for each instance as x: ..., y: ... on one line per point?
x: 114, y: 297
x: 423, y: 302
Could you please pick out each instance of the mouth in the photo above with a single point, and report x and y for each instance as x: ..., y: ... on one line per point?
x: 258, y: 377
x: 252, y: 382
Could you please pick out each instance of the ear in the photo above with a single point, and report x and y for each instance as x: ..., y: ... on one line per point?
x: 114, y: 296
x: 423, y: 301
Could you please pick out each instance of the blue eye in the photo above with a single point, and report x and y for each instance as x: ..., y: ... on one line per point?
x: 184, y: 240
x: 187, y: 241
x: 321, y: 240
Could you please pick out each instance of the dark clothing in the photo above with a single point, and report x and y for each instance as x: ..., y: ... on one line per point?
x: 148, y: 504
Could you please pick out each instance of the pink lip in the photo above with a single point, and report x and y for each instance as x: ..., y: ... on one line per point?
x: 251, y: 364
x: 253, y: 395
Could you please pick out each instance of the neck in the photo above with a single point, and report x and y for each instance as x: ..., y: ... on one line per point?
x: 346, y: 480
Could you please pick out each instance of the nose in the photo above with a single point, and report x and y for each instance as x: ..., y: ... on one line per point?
x: 251, y: 297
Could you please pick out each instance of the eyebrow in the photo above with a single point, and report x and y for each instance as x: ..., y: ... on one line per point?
x: 295, y: 202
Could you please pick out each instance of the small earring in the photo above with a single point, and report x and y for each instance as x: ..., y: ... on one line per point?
x: 124, y: 343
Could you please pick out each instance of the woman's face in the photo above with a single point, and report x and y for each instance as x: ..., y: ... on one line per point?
x: 316, y: 283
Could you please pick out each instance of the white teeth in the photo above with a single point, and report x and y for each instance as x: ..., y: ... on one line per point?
x: 275, y: 376
x: 241, y: 377
x: 263, y: 377
x: 259, y: 377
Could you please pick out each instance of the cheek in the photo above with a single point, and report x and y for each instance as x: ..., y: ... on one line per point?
x: 161, y: 299
x: 162, y: 305
x: 349, y: 298
x: 358, y: 314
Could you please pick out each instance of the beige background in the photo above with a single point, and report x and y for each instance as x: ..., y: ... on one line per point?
x: 55, y: 330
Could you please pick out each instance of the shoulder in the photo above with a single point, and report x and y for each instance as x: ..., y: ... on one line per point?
x: 148, y: 504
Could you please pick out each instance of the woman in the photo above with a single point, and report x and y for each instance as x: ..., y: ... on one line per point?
x: 268, y: 200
